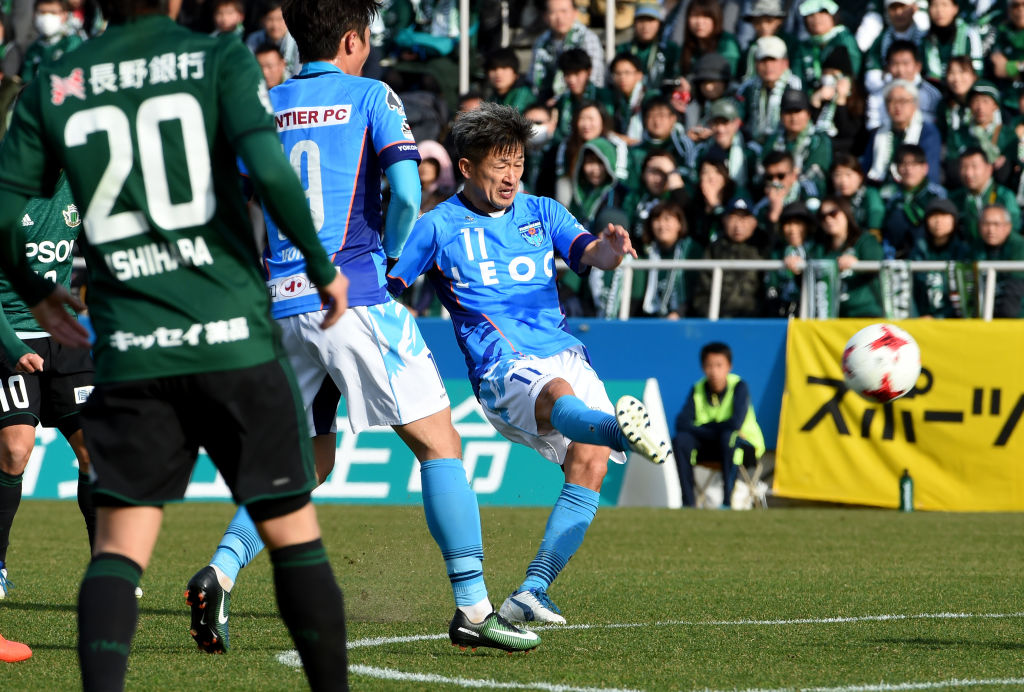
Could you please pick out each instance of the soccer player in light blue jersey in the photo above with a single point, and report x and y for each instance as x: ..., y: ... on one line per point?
x: 340, y: 131
x: 490, y: 253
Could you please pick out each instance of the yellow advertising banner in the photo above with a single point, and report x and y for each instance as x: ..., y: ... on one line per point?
x: 960, y: 433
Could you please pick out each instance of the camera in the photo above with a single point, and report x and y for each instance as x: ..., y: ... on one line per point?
x: 829, y: 80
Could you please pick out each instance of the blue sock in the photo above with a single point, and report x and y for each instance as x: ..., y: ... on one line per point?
x: 572, y: 514
x: 240, y: 544
x: 577, y: 421
x: 453, y: 518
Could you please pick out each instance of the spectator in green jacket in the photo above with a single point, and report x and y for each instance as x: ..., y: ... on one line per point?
x: 576, y: 68
x: 938, y: 293
x: 506, y: 85
x: 826, y: 34
x: 767, y: 18
x: 905, y: 211
x: 998, y: 241
x: 840, y: 238
x: 660, y: 59
x: 811, y: 150
x: 705, y: 34
x: 979, y: 191
x: 56, y: 37
x: 848, y: 183
x: 717, y: 423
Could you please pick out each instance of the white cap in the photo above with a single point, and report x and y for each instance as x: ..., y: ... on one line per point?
x: 770, y: 47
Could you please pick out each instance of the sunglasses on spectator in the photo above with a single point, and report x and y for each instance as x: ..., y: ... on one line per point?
x: 830, y: 214
x: 775, y: 176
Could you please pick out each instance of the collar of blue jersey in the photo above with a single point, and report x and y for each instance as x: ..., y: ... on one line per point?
x: 317, y: 67
x: 469, y: 205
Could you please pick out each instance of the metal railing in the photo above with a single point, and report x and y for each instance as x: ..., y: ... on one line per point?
x: 986, y: 269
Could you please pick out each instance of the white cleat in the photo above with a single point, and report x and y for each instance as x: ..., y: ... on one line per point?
x: 635, y: 424
x: 532, y: 605
x: 138, y: 592
x: 4, y: 584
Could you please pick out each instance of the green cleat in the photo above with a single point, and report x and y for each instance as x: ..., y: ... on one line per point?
x: 495, y: 632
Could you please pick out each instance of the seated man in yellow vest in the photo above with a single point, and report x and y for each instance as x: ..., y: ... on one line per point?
x: 717, y: 423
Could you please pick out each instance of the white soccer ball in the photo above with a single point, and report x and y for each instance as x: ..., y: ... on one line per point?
x: 881, y: 362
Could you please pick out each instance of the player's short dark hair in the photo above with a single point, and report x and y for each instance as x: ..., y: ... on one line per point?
x: 268, y: 47
x: 914, y: 151
x: 501, y: 57
x: 574, y: 60
x: 626, y: 57
x: 491, y: 128
x: 120, y: 11
x: 719, y: 347
x: 318, y: 25
x: 901, y: 46
x: 776, y: 157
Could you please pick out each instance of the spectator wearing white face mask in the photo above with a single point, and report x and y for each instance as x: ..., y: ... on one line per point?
x: 56, y: 37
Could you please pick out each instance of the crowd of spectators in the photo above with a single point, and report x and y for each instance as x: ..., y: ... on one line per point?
x: 815, y: 133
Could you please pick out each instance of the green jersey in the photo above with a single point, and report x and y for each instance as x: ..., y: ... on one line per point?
x: 51, y: 227
x: 146, y: 121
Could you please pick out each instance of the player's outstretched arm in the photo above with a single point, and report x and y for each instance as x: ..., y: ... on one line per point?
x: 611, y: 246
x: 46, y: 299
x: 404, y: 207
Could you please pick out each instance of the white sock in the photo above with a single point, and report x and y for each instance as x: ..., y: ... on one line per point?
x: 478, y: 611
x: 226, y: 582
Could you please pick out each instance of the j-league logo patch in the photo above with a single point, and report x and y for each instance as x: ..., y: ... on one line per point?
x: 82, y: 394
x: 533, y: 233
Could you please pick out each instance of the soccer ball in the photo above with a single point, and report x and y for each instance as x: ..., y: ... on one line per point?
x: 881, y: 362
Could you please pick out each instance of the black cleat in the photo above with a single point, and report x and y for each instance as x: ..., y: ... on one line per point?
x: 495, y: 632
x: 210, y: 604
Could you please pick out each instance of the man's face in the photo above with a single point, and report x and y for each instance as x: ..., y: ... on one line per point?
x: 716, y: 368
x: 976, y: 173
x: 656, y: 172
x: 1016, y: 13
x: 901, y: 15
x: 904, y: 65
x: 781, y: 173
x: 723, y: 131
x: 273, y: 24
x: 272, y: 65
x: 561, y: 15
x: 645, y: 29
x: 912, y: 172
x: 983, y: 108
x: 795, y: 232
x: 739, y: 226
x: 942, y: 12
x: 771, y: 69
x: 994, y: 227
x: 494, y: 181
x: 625, y: 76
x: 576, y: 82
x: 960, y: 79
x: 819, y: 23
x: 659, y: 122
x: 901, y: 107
x: 940, y: 225
x: 795, y: 121
x: 766, y: 26
x: 52, y: 8
x: 502, y: 78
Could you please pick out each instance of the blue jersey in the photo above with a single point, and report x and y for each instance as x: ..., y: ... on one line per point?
x: 339, y: 132
x: 496, y: 275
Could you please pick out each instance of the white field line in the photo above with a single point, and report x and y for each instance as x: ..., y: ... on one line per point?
x: 291, y: 658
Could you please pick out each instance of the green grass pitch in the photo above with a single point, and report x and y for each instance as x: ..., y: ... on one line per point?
x: 675, y: 600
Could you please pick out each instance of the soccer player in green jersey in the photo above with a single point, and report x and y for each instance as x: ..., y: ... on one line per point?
x: 41, y: 381
x: 148, y: 120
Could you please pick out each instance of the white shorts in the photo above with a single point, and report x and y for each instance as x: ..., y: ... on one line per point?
x: 509, y: 391
x: 375, y: 355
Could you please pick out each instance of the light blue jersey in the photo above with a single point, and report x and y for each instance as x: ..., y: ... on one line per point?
x: 340, y: 133
x: 496, y: 276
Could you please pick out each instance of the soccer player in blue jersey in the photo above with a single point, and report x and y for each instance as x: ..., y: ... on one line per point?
x: 340, y: 132
x: 490, y: 254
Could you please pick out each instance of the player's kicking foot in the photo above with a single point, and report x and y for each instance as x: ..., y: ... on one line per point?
x: 531, y: 605
x: 635, y: 424
x: 494, y: 631
x: 210, y: 604
x: 12, y: 652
